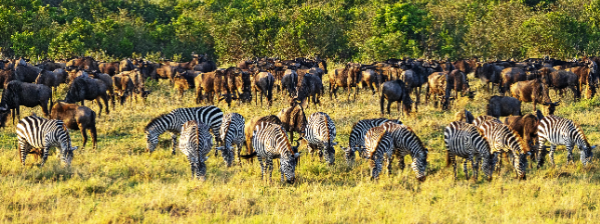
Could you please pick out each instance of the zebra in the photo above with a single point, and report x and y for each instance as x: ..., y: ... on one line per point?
x: 320, y: 133
x: 464, y: 140
x: 502, y: 139
x: 562, y: 131
x: 406, y: 142
x: 232, y: 133
x: 173, y: 121
x: 269, y: 142
x: 378, y: 147
x: 483, y: 118
x: 357, y: 137
x: 34, y: 132
x: 195, y: 142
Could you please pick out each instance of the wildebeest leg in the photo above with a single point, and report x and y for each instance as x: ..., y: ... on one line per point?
x: 389, y: 105
x: 82, y: 129
x: 381, y: 102
x: 94, y: 136
x: 100, y: 106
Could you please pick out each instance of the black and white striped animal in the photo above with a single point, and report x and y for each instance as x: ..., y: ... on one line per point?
x: 320, y: 134
x: 378, y: 147
x: 356, y: 142
x: 406, y: 142
x: 195, y: 142
x: 483, y: 118
x: 172, y: 122
x: 464, y: 140
x: 34, y: 132
x: 269, y: 142
x: 561, y: 131
x: 232, y: 133
x: 503, y: 139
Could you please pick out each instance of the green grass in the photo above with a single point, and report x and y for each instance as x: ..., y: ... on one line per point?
x: 121, y: 183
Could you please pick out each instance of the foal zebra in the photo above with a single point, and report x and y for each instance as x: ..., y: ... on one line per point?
x: 378, y: 147
x: 270, y: 142
x: 232, y: 133
x: 562, y: 131
x: 34, y: 132
x: 172, y: 122
x: 320, y: 133
x: 503, y: 139
x: 357, y: 137
x: 406, y: 142
x: 464, y: 140
x: 195, y: 142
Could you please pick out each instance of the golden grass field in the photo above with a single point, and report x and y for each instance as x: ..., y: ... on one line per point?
x: 121, y: 183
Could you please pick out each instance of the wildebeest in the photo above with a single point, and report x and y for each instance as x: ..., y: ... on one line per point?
x: 560, y: 80
x: 370, y: 78
x: 346, y: 78
x: 126, y: 65
x: 206, y: 84
x: 26, y: 72
x: 489, y: 74
x: 18, y: 94
x: 205, y: 65
x: 526, y: 126
x: 110, y: 68
x: 395, y: 91
x: 6, y: 75
x: 76, y: 117
x: 85, y: 88
x: 439, y: 84
x: 249, y: 129
x: 511, y: 75
x: 289, y: 81
x: 48, y: 79
x: 293, y: 119
x: 263, y: 82
x: 124, y: 86
x: 499, y: 106
x: 531, y: 91
x: 184, y: 81
x: 311, y: 89
x: 83, y: 63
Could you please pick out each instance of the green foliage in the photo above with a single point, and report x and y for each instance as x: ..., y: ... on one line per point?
x: 364, y: 30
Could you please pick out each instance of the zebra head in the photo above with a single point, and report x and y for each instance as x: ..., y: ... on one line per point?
x: 288, y: 167
x: 151, y: 141
x: 349, y: 155
x: 586, y: 155
x: 489, y: 162
x: 419, y: 165
x: 330, y: 153
x: 521, y: 166
x: 67, y: 155
x: 227, y: 153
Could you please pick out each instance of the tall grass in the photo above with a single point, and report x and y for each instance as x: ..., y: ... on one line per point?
x: 121, y: 183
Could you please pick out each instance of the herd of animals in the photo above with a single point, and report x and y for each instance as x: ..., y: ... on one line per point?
x: 479, y: 140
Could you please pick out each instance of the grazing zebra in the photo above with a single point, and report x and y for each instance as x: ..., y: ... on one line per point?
x: 172, y: 122
x: 34, y: 132
x: 320, y: 133
x: 562, y: 131
x: 378, y: 144
x: 464, y: 140
x: 503, y: 139
x: 357, y: 137
x: 270, y: 142
x: 232, y: 133
x: 195, y: 142
x: 483, y: 118
x: 406, y: 142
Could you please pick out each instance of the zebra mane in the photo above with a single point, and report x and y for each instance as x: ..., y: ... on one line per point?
x: 155, y: 120
x: 524, y: 146
x: 580, y: 130
x: 287, y: 140
x: 380, y: 132
x: 417, y: 137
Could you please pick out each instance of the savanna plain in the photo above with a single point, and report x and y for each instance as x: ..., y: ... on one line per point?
x: 121, y: 183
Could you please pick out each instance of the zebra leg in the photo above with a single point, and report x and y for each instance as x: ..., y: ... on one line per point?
x: 552, y: 149
x: 541, y: 154
x: 202, y: 170
x: 44, y: 156
x: 475, y: 166
x: 239, y: 151
x: 401, y: 162
x: 269, y: 164
x: 465, y: 167
x: 174, y: 142
x: 23, y: 150
x: 452, y: 160
x: 570, y: 154
x: 389, y: 159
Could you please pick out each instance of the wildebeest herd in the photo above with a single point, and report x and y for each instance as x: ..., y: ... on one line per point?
x: 480, y: 140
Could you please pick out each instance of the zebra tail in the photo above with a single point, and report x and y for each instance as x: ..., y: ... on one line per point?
x: 448, y: 160
x: 249, y: 156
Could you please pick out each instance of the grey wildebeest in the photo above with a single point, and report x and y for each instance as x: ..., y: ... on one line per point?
x: 18, y: 94
x: 85, y: 88
x: 503, y: 106
x: 395, y: 91
x: 263, y: 82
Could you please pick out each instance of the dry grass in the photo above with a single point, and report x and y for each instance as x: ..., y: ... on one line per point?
x: 121, y: 183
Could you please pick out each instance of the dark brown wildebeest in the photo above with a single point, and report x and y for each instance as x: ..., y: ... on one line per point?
x: 263, y: 82
x: 463, y: 66
x: 511, y: 75
x: 293, y: 119
x: 148, y: 70
x: 124, y: 86
x: 585, y: 76
x: 437, y: 86
x: 17, y: 94
x: 489, y: 74
x: 289, y: 81
x: 207, y: 85
x: 395, y: 91
x: 85, y: 88
x: 499, y: 106
x: 560, y: 80
x: 184, y: 81
x: 370, y: 79
x: 165, y: 71
x: 84, y: 63
x: 526, y: 126
x: 531, y: 91
x: 346, y: 78
x: 110, y: 68
x: 77, y: 117
x: 311, y: 86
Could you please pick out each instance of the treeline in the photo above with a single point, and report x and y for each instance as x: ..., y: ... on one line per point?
x: 358, y: 30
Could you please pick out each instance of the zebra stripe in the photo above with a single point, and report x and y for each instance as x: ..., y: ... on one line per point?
x: 195, y: 142
x: 483, y: 118
x: 378, y: 144
x: 562, y: 131
x: 356, y: 141
x: 232, y: 133
x: 503, y: 139
x: 320, y: 134
x: 173, y: 121
x: 406, y: 142
x: 269, y: 142
x: 464, y: 140
x: 34, y: 132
